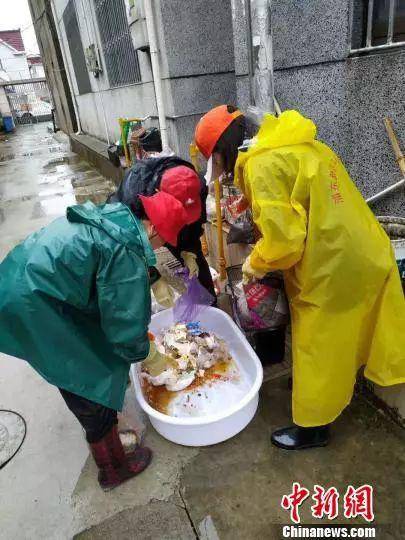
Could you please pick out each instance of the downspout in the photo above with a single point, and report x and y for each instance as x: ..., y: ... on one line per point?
x: 67, y: 70
x: 249, y: 40
x: 257, y: 14
x: 260, y: 53
x: 157, y: 80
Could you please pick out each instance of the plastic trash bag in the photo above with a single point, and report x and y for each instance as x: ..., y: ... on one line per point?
x: 193, y: 302
x: 239, y: 216
x: 267, y: 302
x: 241, y: 232
x: 262, y: 304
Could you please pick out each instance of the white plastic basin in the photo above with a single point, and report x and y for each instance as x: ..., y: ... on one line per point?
x: 212, y: 429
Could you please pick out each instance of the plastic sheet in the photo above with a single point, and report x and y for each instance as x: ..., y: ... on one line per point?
x: 193, y: 302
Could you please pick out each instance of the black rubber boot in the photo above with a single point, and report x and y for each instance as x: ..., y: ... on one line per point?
x: 299, y: 438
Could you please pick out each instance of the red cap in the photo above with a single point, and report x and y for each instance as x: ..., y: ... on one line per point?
x: 184, y: 184
x: 211, y: 126
x: 167, y: 214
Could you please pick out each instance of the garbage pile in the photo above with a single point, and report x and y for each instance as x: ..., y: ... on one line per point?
x: 189, y: 351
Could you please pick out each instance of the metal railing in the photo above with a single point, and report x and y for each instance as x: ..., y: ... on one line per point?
x: 389, y: 44
x: 29, y: 100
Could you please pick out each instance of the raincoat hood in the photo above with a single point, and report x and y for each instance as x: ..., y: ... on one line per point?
x: 118, y: 222
x: 290, y: 128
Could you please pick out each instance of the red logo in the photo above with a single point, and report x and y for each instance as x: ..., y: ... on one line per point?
x: 293, y: 501
x: 359, y: 502
x: 356, y: 502
x: 326, y: 502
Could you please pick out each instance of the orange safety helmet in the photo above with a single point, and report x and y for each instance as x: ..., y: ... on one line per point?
x: 211, y: 126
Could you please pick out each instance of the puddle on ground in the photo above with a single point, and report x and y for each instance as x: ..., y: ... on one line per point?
x: 54, y: 206
x: 51, y: 163
x: 38, y: 211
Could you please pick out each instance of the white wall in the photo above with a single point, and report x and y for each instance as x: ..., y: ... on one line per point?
x: 3, y: 75
x: 14, y: 64
x: 4, y: 105
x: 99, y: 110
x: 37, y: 71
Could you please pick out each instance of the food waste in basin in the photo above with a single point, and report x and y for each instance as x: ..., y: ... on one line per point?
x: 224, y: 398
x: 198, y: 376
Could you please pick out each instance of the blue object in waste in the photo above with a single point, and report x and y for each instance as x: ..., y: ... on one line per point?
x: 8, y: 124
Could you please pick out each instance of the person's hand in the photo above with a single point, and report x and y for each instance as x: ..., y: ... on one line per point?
x: 190, y: 260
x: 155, y: 363
x: 249, y: 273
x: 163, y: 293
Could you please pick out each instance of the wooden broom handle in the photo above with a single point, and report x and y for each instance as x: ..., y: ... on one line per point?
x: 221, y: 251
x: 194, y: 161
x: 399, y: 156
x: 194, y: 156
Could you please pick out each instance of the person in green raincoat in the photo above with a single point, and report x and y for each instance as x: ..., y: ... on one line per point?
x: 75, y: 303
x: 341, y: 277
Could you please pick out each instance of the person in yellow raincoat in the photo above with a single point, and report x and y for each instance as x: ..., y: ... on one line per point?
x: 342, y: 281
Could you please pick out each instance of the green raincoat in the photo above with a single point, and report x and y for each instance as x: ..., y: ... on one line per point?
x: 75, y: 301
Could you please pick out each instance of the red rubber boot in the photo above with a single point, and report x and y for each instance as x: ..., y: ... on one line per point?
x: 108, y: 475
x: 135, y: 461
x: 114, y: 466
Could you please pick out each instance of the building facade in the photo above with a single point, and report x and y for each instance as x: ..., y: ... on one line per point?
x: 106, y: 53
x: 321, y: 57
x: 13, y: 58
x: 35, y: 66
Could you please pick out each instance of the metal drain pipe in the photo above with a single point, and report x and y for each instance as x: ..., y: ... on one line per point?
x: 157, y: 79
x: 260, y: 53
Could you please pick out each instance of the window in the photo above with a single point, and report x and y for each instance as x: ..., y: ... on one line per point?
x: 76, y: 48
x: 120, y: 56
x: 378, y: 24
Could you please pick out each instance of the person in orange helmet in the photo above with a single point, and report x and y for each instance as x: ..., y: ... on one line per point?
x: 342, y: 281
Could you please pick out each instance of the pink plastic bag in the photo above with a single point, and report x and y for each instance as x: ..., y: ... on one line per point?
x: 193, y: 302
x: 267, y: 302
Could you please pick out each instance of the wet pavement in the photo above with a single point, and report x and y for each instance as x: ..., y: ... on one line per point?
x: 39, y: 178
x: 228, y: 491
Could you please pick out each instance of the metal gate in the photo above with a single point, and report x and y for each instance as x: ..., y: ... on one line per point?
x: 30, y: 101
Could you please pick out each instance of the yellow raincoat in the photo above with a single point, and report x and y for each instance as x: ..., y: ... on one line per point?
x: 342, y: 281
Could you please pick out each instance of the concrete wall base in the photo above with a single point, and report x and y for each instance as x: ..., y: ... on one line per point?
x: 95, y: 152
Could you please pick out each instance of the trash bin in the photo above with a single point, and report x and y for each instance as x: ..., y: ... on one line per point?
x: 8, y: 124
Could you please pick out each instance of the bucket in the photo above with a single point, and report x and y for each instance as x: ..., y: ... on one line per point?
x: 8, y: 124
x: 228, y: 420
